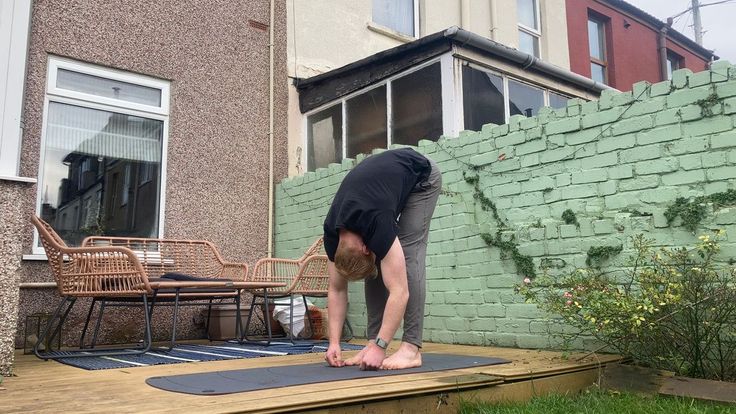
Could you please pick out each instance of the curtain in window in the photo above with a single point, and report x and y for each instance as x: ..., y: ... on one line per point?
x: 395, y: 14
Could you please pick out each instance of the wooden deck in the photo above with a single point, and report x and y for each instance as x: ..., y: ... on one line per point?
x: 47, y: 386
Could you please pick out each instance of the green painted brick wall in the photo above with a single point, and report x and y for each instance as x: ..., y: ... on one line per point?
x: 602, y: 159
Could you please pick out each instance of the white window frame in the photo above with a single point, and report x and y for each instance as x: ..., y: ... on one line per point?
x: 56, y: 63
x: 416, y: 19
x: 537, y: 33
x: 389, y: 119
x: 65, y: 96
x: 15, y: 21
x: 505, y: 80
x: 604, y: 63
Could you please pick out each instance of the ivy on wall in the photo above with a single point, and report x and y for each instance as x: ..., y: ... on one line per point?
x: 693, y: 211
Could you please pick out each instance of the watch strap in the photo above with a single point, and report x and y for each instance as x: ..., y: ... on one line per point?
x: 381, y: 343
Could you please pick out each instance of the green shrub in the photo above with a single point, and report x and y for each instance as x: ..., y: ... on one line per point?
x: 674, y: 309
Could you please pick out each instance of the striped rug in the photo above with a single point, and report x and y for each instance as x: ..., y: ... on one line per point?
x: 197, y: 353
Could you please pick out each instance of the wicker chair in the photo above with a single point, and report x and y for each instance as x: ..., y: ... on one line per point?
x: 185, y: 260
x: 305, y: 277
x: 96, y: 272
x: 118, y: 271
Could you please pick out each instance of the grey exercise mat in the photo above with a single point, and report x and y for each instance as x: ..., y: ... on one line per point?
x: 241, y: 380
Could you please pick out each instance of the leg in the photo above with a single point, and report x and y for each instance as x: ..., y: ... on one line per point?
x: 244, y: 337
x: 86, y: 322
x: 209, y: 313
x: 40, y: 342
x: 103, y: 304
x: 413, y: 235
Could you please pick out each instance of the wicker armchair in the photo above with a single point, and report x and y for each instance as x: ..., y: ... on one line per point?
x: 117, y: 271
x: 96, y: 272
x: 305, y: 277
x: 185, y: 260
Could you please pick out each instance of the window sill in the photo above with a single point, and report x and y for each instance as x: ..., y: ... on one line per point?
x: 35, y: 257
x: 390, y: 33
x: 18, y: 179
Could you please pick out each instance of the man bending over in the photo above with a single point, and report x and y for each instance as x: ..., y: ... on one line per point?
x: 381, y: 214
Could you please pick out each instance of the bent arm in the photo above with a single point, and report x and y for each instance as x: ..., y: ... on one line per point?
x: 337, y: 303
x: 393, y: 271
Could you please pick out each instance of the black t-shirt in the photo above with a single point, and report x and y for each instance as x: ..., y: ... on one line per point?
x: 371, y: 197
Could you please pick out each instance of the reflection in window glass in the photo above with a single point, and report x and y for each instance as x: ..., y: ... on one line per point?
x: 90, y: 157
x: 528, y: 43
x: 416, y: 105
x: 395, y: 14
x: 524, y: 99
x: 598, y: 72
x: 366, y: 121
x: 674, y: 62
x: 596, y: 39
x: 483, y: 101
x: 557, y: 100
x: 324, y: 138
x: 107, y: 88
x: 527, y: 11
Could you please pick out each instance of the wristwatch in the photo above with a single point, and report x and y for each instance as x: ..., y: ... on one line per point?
x: 381, y: 343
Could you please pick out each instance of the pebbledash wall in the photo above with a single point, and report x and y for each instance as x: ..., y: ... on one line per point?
x: 605, y: 160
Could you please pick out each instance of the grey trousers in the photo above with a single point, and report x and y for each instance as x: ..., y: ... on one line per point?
x: 413, y: 234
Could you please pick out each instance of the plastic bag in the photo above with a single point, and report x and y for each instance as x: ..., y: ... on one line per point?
x: 281, y: 314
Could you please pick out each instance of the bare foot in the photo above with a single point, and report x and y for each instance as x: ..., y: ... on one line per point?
x: 408, y: 356
x: 356, y: 360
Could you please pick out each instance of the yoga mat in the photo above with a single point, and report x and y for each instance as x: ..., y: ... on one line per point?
x: 241, y: 380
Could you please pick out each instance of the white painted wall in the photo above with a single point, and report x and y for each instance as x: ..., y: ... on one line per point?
x: 327, y: 34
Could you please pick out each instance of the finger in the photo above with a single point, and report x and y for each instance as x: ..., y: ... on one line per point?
x: 331, y: 359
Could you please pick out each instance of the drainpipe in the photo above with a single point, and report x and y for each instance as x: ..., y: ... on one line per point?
x: 465, y: 14
x: 270, y: 130
x: 662, y: 50
x: 494, y: 20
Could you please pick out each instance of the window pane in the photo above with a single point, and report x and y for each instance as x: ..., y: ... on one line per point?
x: 395, y: 14
x: 366, y: 115
x: 524, y: 99
x: 107, y: 88
x: 598, y: 72
x: 528, y: 43
x: 674, y: 62
x: 90, y: 159
x: 324, y: 138
x: 416, y: 105
x: 527, y: 11
x: 596, y: 40
x: 483, y: 101
x: 557, y: 100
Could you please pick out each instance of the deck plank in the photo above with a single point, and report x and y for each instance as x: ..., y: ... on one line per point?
x: 47, y: 386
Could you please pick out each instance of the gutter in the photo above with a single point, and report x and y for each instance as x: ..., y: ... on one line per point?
x: 525, y: 60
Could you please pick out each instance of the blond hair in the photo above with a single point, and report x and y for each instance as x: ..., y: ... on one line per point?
x: 353, y: 265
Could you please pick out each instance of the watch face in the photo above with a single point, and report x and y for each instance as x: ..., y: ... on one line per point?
x: 381, y: 343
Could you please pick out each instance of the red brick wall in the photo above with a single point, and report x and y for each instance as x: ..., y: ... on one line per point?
x: 631, y: 51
